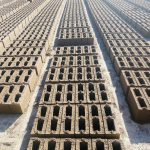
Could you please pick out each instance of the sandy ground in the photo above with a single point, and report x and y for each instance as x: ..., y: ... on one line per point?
x: 15, y: 129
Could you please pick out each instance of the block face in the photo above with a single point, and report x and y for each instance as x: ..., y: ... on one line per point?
x: 139, y: 104
x: 14, y: 98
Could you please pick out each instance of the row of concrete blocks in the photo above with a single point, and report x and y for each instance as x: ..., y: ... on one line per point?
x: 40, y: 31
x: 134, y: 21
x: 137, y: 97
x: 122, y: 36
x: 131, y: 63
x: 34, y: 62
x: 80, y: 60
x: 116, y: 27
x: 20, y: 26
x: 74, y: 24
x: 74, y: 144
x: 76, y: 74
x: 18, y: 76
x: 126, y: 43
x: 26, y: 51
x: 128, y: 51
x: 5, y: 12
x: 76, y: 50
x: 65, y: 93
x: 130, y: 78
x: 80, y: 39
x: 75, y: 121
x: 6, y: 3
x: 143, y: 5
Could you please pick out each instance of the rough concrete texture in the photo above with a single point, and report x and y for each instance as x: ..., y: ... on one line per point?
x: 64, y: 54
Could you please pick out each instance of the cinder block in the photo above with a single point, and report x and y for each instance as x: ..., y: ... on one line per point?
x: 82, y: 121
x: 104, y: 94
x: 14, y: 99
x: 47, y: 94
x: 16, y: 77
x: 120, y: 64
x: 21, y: 63
x: 68, y: 121
x: 96, y: 121
x: 54, y: 121
x: 139, y: 105
x: 127, y: 80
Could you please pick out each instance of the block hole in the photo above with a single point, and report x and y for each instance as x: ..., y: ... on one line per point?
x: 36, y: 145
x: 80, y: 97
x: 54, y: 124
x: 56, y: 111
x: 40, y: 124
x: 26, y: 78
x: 137, y: 92
x: 43, y: 111
x: 81, y: 124
x: 80, y: 87
x: 100, y: 146
x: 96, y: 124
x: 69, y: 87
x: 51, y: 76
x: 68, y: 111
x: 102, y: 87
x: 60, y: 76
x: 49, y: 87
x: 18, y: 96
x: 7, y: 78
x: 46, y: 97
x: 104, y: 96
x: 6, y: 97
x: 69, y: 96
x: 142, y: 102
x: 11, y: 89
x: 94, y: 111
x: 83, y: 146
x: 108, y: 111
x: 68, y: 124
x: 51, y: 145
x: 147, y: 92
x: 116, y: 145
x: 70, y: 76
x: 67, y: 145
x: 91, y: 87
x: 81, y: 111
x: 1, y: 88
x: 92, y: 96
x: 59, y: 88
x: 110, y: 124
x: 61, y: 70
x: 58, y: 96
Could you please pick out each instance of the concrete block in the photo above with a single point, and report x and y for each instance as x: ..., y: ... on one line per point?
x: 82, y: 121
x: 96, y: 121
x: 68, y: 121
x: 139, y: 105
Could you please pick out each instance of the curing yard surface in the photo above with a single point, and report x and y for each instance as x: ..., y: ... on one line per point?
x: 15, y: 129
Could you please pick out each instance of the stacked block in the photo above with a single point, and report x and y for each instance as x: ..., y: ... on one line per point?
x: 129, y: 52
